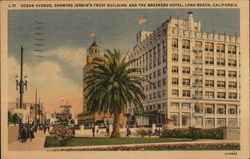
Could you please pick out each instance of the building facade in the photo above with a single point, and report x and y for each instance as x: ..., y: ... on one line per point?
x: 86, y: 117
x: 195, y: 76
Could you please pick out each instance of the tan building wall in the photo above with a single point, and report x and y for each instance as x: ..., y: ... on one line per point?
x: 189, y: 70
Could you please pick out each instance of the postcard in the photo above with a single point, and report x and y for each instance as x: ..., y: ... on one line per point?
x: 121, y: 79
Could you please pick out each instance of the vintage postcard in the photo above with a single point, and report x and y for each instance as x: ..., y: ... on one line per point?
x: 120, y: 79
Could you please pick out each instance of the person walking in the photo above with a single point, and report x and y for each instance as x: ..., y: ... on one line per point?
x: 107, y: 130
x: 93, y: 132
x: 128, y: 132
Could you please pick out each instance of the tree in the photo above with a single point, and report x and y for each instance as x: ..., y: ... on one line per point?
x: 15, y: 118
x: 112, y: 85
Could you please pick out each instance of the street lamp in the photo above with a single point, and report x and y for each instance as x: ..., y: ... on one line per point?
x: 20, y: 82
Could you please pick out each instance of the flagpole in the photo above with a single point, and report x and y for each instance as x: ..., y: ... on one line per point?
x: 147, y: 22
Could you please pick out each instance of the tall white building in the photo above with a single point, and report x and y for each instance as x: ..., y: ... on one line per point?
x: 195, y: 75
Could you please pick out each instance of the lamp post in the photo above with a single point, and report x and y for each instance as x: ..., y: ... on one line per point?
x: 20, y: 82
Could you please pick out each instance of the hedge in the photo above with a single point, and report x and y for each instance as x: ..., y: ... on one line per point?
x: 194, y: 133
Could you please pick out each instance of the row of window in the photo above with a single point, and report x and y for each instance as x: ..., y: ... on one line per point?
x: 156, y: 106
x: 208, y: 94
x: 208, y: 108
x: 208, y: 60
x: 156, y: 95
x: 220, y: 48
x: 209, y: 72
x: 157, y: 73
x: 208, y: 83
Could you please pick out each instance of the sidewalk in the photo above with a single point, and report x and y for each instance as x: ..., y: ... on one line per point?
x: 36, y: 144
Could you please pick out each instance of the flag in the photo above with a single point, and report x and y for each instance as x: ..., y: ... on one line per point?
x: 92, y: 34
x: 142, y: 20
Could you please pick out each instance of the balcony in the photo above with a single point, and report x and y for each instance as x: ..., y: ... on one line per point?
x: 186, y: 51
x: 196, y: 85
x: 197, y: 96
x: 197, y: 73
x: 200, y: 62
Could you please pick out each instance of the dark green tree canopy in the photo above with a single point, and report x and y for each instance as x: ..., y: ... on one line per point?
x: 113, y: 83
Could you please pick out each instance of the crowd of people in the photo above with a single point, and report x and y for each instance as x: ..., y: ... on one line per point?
x: 27, y: 131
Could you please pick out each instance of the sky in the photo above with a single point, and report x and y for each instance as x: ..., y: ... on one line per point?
x: 57, y: 75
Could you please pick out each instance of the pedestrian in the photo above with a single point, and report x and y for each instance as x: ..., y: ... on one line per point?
x: 149, y: 133
x: 93, y: 131
x: 44, y: 129
x: 128, y: 132
x: 107, y: 130
x: 19, y: 132
x: 29, y: 132
x: 23, y: 134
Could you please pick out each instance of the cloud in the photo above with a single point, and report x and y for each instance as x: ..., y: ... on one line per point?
x: 53, y: 87
x: 74, y: 57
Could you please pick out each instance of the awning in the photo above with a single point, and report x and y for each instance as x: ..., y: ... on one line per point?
x: 209, y: 106
x: 221, y: 106
x: 232, y: 107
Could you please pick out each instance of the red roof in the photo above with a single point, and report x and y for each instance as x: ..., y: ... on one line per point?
x: 94, y: 44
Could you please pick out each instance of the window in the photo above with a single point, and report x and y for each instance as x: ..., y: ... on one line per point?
x: 150, y: 97
x: 155, y: 96
x: 221, y: 84
x: 209, y: 122
x: 232, y: 109
x: 209, y: 109
x: 185, y: 82
x: 174, y: 69
x: 232, y: 95
x: 232, y: 84
x: 232, y: 122
x: 186, y: 70
x: 164, y: 70
x: 159, y: 72
x: 221, y: 95
x: 159, y: 83
x: 164, y: 93
x: 175, y: 81
x: 220, y: 48
x: 159, y: 94
x: 175, y: 92
x: 154, y: 74
x: 174, y: 57
x: 231, y: 62
x: 186, y: 93
x: 186, y: 105
x: 175, y: 43
x: 185, y: 119
x: 176, y: 118
x: 209, y: 72
x: 221, y: 109
x: 174, y: 105
x: 209, y: 94
x: 221, y: 61
x: 209, y: 47
x: 185, y: 44
x: 232, y: 74
x: 209, y: 83
x: 185, y: 58
x: 221, y: 73
x: 209, y: 60
x: 198, y: 43
x: 231, y: 49
x: 150, y: 76
x: 164, y: 81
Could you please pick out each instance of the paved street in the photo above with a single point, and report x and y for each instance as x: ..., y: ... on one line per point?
x: 36, y: 144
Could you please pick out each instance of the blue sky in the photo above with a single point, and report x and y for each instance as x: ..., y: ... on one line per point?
x: 66, y: 40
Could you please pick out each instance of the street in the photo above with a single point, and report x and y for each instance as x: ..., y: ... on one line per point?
x: 36, y: 144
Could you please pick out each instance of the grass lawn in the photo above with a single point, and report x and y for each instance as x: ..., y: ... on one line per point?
x: 84, y: 141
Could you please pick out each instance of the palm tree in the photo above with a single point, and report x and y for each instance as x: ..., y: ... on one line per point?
x: 112, y: 85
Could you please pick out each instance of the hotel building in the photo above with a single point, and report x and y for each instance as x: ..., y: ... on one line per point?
x: 195, y: 76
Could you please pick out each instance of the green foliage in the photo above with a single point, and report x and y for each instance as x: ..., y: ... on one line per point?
x: 112, y: 82
x: 195, y: 133
x: 61, y: 133
x: 141, y: 132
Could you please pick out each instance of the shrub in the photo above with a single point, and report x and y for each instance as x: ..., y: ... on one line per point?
x: 141, y: 132
x: 61, y: 133
x: 195, y: 133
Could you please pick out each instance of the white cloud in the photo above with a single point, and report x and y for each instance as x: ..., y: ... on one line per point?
x: 52, y: 86
x: 75, y: 57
